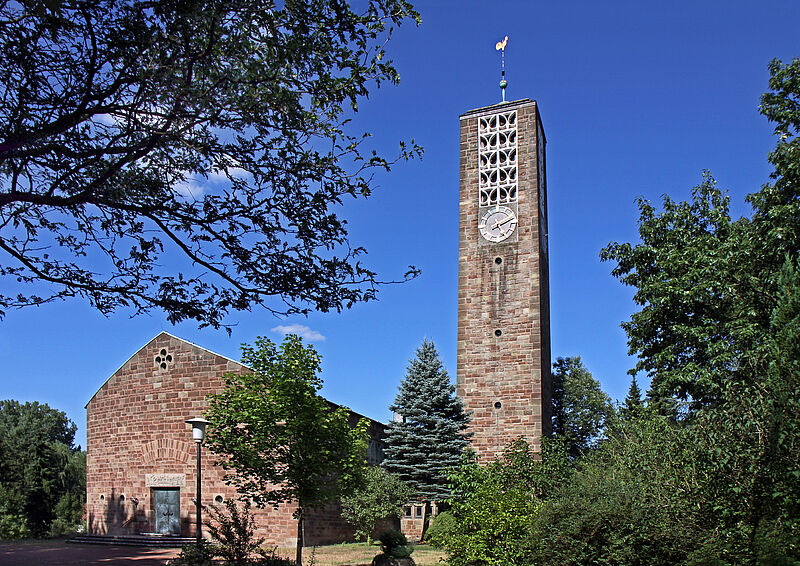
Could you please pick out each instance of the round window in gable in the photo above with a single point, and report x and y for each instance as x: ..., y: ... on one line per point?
x: 164, y: 359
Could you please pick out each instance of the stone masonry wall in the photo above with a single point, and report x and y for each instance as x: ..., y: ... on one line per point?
x: 137, y: 439
x: 503, y: 288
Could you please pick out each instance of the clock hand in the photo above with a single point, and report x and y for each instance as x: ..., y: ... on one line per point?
x: 501, y: 222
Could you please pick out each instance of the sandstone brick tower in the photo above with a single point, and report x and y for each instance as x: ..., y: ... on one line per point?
x: 503, y: 367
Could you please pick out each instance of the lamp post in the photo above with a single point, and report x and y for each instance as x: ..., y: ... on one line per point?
x: 198, y: 434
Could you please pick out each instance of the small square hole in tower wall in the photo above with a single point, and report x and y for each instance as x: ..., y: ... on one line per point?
x: 164, y: 359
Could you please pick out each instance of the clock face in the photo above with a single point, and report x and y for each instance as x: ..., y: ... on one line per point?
x: 497, y: 223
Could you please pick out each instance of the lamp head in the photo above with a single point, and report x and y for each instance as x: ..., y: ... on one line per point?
x: 198, y: 428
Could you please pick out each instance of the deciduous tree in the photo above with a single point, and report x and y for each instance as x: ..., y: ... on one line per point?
x: 190, y: 157
x: 381, y: 496
x: 278, y: 439
x: 42, y: 474
x: 581, y: 410
x: 707, y: 285
x: 717, y: 331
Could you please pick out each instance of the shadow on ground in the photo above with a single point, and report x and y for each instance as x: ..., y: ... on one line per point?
x: 63, y: 554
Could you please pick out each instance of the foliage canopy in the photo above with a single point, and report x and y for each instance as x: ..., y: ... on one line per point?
x: 494, y: 505
x: 381, y: 496
x: 581, y: 410
x: 717, y: 332
x: 707, y: 284
x: 281, y: 441
x: 42, y: 474
x: 211, y: 136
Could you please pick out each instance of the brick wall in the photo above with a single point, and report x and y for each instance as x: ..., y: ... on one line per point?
x: 503, y: 288
x: 137, y: 438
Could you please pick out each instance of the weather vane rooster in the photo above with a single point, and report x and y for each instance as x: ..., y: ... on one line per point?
x: 501, y: 47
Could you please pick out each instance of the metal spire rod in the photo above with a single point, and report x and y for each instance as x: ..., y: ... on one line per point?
x: 501, y: 47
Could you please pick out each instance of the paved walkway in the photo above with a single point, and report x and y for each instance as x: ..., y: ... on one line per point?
x: 59, y: 553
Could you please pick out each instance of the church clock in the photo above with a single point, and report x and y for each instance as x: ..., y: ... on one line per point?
x: 503, y: 367
x: 497, y: 224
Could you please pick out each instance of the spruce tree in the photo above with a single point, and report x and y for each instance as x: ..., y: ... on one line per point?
x: 431, y: 434
x: 633, y: 401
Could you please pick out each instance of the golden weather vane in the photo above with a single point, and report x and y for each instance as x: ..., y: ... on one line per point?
x: 501, y: 47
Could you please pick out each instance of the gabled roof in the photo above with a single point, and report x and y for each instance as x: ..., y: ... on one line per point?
x: 192, y: 344
x: 156, y: 337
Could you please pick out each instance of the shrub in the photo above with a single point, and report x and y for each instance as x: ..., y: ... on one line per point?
x: 13, y: 521
x: 273, y: 560
x: 493, y: 524
x: 13, y: 527
x: 234, y: 533
x: 493, y: 507
x: 205, y: 554
x: 395, y: 544
x: 441, y: 529
x: 634, y: 502
x: 194, y: 555
x: 69, y: 515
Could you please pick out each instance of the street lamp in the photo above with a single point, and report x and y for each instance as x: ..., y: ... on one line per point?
x: 198, y: 434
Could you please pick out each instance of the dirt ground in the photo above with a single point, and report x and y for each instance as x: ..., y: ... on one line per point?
x: 60, y: 553
x: 359, y: 554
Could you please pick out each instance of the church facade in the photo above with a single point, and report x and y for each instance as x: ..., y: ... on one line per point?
x: 141, y: 460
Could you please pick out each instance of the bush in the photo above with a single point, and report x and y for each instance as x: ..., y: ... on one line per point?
x: 234, y: 533
x: 13, y: 521
x: 493, y: 524
x: 395, y: 544
x: 194, y: 555
x: 69, y: 516
x: 235, y: 542
x: 636, y: 501
x: 13, y: 527
x: 442, y: 527
x: 273, y: 560
x: 205, y: 554
x: 380, y: 497
x: 493, y: 507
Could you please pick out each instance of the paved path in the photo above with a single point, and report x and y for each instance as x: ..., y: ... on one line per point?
x: 63, y: 554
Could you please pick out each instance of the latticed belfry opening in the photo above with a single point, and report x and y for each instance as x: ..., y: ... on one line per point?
x: 497, y: 158
x: 164, y: 359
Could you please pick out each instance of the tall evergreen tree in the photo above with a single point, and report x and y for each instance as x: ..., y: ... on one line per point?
x: 431, y: 435
x: 633, y: 401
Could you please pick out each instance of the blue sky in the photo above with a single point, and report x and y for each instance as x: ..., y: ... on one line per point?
x: 637, y: 98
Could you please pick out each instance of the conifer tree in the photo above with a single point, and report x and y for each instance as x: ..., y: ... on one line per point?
x: 431, y: 434
x: 633, y: 401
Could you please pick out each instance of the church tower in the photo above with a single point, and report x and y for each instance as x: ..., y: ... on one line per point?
x: 503, y: 367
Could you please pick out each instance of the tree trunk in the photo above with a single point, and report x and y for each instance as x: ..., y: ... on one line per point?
x: 299, y: 556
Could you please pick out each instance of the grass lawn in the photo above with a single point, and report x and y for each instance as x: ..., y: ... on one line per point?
x: 359, y: 554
